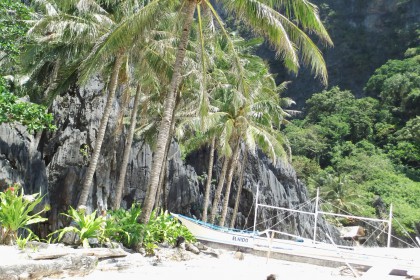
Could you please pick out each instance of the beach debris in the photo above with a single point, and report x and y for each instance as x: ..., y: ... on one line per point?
x: 192, y: 248
x: 239, y: 255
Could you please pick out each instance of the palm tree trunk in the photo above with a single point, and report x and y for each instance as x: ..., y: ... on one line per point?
x: 160, y: 187
x: 232, y: 167
x: 164, y: 129
x: 238, y: 195
x: 86, y: 189
x: 219, y: 190
x: 127, y: 149
x: 163, y: 171
x: 209, y: 177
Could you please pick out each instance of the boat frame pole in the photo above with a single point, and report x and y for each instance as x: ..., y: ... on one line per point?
x: 316, y: 212
x: 389, y: 227
x: 256, y: 208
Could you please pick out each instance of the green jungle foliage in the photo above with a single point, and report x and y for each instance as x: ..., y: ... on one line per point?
x: 13, y: 27
x: 121, y: 226
x: 14, y: 110
x: 364, y: 152
x: 17, y: 212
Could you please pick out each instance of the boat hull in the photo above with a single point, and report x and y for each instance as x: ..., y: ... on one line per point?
x: 304, y: 250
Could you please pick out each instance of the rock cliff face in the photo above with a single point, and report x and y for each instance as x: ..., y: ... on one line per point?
x: 56, y: 162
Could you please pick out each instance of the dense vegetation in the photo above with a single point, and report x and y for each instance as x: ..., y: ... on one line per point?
x: 18, y: 211
x: 13, y: 27
x: 200, y: 81
x: 365, y: 153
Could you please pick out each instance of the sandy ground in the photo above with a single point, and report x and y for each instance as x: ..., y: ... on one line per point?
x: 205, y: 267
x: 224, y: 267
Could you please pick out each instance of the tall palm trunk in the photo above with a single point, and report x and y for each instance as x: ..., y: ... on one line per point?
x: 127, y: 149
x: 232, y: 167
x: 162, y: 176
x: 164, y: 129
x: 238, y: 195
x: 219, y: 190
x: 86, y: 189
x: 209, y: 177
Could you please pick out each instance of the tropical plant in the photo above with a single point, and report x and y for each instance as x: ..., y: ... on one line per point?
x: 14, y: 110
x: 285, y: 36
x: 151, y: 61
x: 239, y: 191
x: 22, y: 242
x: 13, y: 26
x: 85, y: 226
x: 16, y: 212
x: 122, y: 226
x: 164, y: 228
x: 116, y: 46
x: 396, y: 84
x: 61, y: 31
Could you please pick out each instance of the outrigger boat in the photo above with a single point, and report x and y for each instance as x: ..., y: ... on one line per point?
x: 401, y: 261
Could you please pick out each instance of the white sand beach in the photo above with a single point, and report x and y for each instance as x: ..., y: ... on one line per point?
x: 225, y: 267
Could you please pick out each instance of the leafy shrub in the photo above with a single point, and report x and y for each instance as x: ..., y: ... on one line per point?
x: 122, y: 226
x: 164, y: 228
x: 86, y: 226
x: 13, y: 110
x: 15, y: 213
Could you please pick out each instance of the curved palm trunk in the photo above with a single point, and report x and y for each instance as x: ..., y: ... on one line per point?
x: 127, y: 149
x: 219, y: 190
x: 86, y: 189
x: 208, y: 183
x: 238, y: 195
x: 164, y: 129
x: 232, y: 167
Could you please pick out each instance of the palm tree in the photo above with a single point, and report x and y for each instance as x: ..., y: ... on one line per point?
x: 127, y: 147
x: 114, y: 46
x: 337, y: 192
x: 64, y: 33
x: 239, y: 191
x: 151, y: 60
x: 257, y: 118
x: 285, y: 32
x: 209, y: 178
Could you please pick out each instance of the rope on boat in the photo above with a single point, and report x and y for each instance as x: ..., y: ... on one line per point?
x: 381, y: 229
x: 356, y: 275
x: 300, y: 206
x: 407, y: 234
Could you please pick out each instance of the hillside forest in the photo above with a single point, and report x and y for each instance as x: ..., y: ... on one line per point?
x: 363, y: 153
